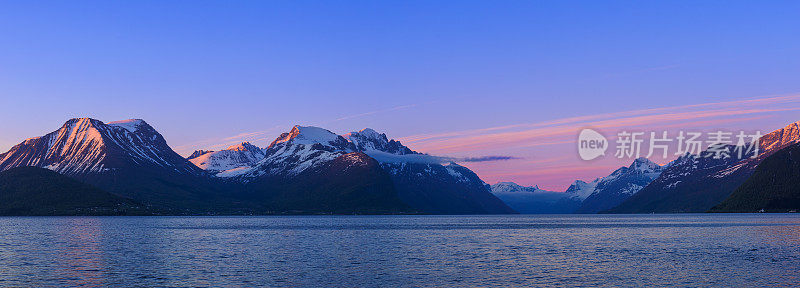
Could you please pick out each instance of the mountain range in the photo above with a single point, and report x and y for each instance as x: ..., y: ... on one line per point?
x: 39, y: 191
x: 307, y: 170
x: 126, y: 167
x: 696, y: 183
x: 774, y: 185
x: 581, y: 197
x: 689, y: 184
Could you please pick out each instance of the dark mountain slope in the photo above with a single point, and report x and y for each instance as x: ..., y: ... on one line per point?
x: 774, y: 186
x: 352, y: 183
x: 691, y: 184
x: 37, y: 191
x: 128, y: 158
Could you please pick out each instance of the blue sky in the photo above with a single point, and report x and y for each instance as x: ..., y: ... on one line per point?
x: 208, y: 73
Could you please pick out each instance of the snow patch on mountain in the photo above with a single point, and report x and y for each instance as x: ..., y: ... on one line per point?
x: 511, y: 187
x: 131, y: 125
x: 451, y: 169
x: 233, y: 161
x: 368, y: 141
x: 300, y: 149
x: 307, y: 135
x: 581, y: 189
x: 234, y: 172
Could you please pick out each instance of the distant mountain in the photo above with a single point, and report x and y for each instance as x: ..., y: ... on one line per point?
x: 610, y: 191
x: 532, y: 200
x: 511, y: 187
x: 696, y: 183
x: 127, y: 158
x: 581, y: 197
x: 38, y: 191
x: 774, y: 186
x: 233, y: 161
x: 582, y: 190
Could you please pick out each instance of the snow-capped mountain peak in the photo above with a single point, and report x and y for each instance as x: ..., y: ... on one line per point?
x: 244, y: 146
x: 780, y: 138
x: 421, y: 180
x: 610, y: 191
x: 511, y: 187
x: 198, y: 153
x: 307, y: 135
x: 233, y: 161
x: 368, y: 140
x: 131, y: 125
x: 372, y: 134
x: 85, y: 145
x: 581, y: 189
x: 301, y: 148
x: 644, y: 165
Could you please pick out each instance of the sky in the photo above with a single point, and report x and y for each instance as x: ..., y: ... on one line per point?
x: 517, y: 79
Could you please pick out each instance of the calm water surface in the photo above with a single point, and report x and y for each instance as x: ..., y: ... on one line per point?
x: 369, y: 251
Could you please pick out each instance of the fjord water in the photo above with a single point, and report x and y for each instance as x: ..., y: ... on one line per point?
x: 368, y: 251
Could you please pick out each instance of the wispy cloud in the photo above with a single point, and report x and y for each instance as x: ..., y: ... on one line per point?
x: 564, y: 130
x: 223, y: 142
x: 488, y: 158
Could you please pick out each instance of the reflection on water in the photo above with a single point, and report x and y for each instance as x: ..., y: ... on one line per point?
x: 518, y: 250
x: 80, y: 262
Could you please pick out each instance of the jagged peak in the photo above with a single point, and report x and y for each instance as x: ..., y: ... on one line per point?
x: 307, y: 135
x: 369, y: 140
x: 514, y: 184
x: 82, y: 119
x: 244, y: 146
x: 639, y: 165
x: 368, y: 133
x: 198, y: 153
x: 794, y: 125
x: 643, y: 163
x: 578, y: 182
x: 32, y: 139
x: 581, y: 189
x: 84, y: 122
x: 780, y: 138
x: 507, y: 183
